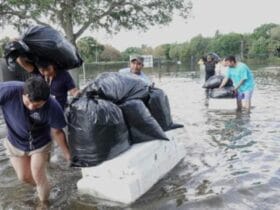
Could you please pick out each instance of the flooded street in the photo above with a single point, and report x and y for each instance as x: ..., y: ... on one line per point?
x: 232, y: 159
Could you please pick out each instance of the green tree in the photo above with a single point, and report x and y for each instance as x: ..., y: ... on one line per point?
x: 274, y: 45
x: 186, y: 53
x: 76, y: 16
x: 2, y: 45
x: 147, y: 50
x: 89, y: 48
x: 110, y: 54
x: 263, y: 31
x: 259, y: 48
x: 162, y: 51
x: 229, y: 44
x: 175, y: 51
x: 199, y: 46
x: 131, y: 51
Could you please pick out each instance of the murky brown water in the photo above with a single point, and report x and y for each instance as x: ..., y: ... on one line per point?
x: 232, y: 159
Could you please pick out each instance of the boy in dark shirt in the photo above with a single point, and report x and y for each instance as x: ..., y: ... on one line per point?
x: 30, y: 114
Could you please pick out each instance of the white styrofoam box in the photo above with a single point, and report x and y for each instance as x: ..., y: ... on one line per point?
x: 222, y: 103
x: 125, y: 178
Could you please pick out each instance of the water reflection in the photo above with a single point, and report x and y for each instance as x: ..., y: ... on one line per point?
x: 232, y: 159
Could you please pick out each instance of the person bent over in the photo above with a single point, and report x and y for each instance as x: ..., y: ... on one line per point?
x: 30, y: 115
x: 243, y: 81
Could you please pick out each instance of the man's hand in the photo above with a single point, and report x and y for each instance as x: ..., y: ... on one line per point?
x: 59, y: 137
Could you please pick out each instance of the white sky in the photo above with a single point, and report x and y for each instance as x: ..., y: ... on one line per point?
x: 240, y: 16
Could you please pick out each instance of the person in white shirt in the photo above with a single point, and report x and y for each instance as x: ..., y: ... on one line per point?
x: 135, y: 67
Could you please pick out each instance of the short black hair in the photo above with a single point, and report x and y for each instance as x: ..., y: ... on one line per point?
x: 37, y: 89
x: 40, y: 63
x: 230, y: 58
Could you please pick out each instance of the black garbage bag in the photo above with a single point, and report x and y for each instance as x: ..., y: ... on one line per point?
x: 159, y: 107
x: 45, y: 43
x: 96, y: 131
x: 119, y: 88
x: 215, y: 81
x: 215, y: 56
x: 225, y: 92
x: 13, y: 50
x: 141, y: 125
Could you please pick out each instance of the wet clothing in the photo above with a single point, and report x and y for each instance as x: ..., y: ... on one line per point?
x: 142, y: 76
x: 60, y: 85
x: 28, y: 130
x: 241, y: 72
x: 244, y: 96
x: 209, y: 69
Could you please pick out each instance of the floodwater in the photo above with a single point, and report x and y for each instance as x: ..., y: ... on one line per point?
x: 232, y: 159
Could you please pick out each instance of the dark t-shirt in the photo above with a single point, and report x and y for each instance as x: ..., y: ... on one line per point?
x: 22, y: 123
x: 60, y: 85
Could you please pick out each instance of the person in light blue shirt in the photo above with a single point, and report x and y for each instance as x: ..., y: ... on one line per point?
x: 243, y: 81
x: 136, y: 66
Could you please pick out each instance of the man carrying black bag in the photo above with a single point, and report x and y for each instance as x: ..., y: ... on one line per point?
x: 60, y: 81
x: 45, y: 49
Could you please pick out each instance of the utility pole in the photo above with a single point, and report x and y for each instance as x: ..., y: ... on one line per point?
x: 242, y: 50
x: 96, y: 53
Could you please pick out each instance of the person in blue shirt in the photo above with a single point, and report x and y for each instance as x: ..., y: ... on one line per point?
x: 135, y: 68
x: 30, y: 115
x: 243, y: 81
x: 60, y: 81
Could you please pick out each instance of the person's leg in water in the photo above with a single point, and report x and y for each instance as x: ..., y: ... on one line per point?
x: 20, y: 162
x: 239, y: 98
x: 38, y: 168
x: 31, y: 167
x: 22, y: 168
x: 247, y: 100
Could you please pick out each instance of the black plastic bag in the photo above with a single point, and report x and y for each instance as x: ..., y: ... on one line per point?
x: 45, y: 43
x: 142, y: 126
x: 215, y: 56
x: 215, y: 81
x: 119, y: 88
x: 96, y: 130
x: 159, y: 107
x: 226, y: 92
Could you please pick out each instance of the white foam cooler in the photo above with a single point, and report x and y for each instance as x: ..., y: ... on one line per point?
x: 128, y: 176
x: 222, y: 103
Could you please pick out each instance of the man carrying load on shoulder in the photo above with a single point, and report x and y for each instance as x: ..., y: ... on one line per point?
x: 30, y: 115
x: 243, y: 81
x: 60, y: 81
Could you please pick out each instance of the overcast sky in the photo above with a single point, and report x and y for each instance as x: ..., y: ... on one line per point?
x: 208, y: 16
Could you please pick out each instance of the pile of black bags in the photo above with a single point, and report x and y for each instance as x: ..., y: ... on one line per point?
x: 213, y: 83
x: 114, y: 112
x: 43, y: 43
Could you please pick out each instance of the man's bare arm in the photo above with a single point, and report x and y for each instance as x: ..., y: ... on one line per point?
x: 60, y: 139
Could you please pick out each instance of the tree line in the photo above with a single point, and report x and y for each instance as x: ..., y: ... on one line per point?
x: 260, y: 45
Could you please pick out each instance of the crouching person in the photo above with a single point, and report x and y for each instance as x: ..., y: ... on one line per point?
x: 30, y: 115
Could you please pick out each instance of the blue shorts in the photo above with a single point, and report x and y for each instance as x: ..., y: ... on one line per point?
x: 244, y: 96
